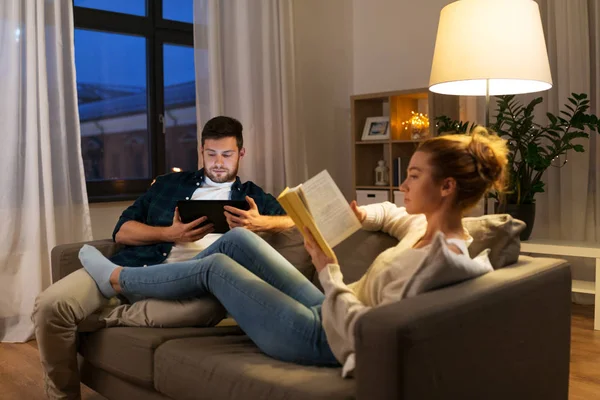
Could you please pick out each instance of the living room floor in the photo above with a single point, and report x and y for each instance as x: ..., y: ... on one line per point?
x: 21, y: 375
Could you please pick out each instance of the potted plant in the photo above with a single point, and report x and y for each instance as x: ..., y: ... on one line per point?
x: 534, y: 147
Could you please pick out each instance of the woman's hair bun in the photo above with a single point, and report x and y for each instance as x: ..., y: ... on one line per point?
x: 490, y: 155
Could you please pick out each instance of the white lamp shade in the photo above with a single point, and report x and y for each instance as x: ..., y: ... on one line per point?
x: 497, y: 40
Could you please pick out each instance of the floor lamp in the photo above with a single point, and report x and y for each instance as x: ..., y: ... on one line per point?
x: 490, y: 48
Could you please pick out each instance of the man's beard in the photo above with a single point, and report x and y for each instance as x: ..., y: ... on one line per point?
x: 229, y: 176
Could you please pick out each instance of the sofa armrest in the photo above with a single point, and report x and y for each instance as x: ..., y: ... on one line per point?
x: 65, y: 257
x: 505, y: 335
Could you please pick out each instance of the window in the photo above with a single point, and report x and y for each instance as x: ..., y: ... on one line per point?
x: 179, y: 10
x: 180, y: 107
x: 112, y: 96
x: 133, y: 7
x: 136, y: 92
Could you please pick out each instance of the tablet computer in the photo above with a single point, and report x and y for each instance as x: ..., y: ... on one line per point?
x: 190, y: 210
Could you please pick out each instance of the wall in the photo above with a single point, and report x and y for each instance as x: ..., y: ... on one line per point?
x: 393, y: 43
x: 323, y: 53
x: 323, y: 50
x: 341, y: 48
x: 104, y: 217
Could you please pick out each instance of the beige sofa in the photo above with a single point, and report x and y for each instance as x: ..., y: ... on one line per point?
x: 505, y: 335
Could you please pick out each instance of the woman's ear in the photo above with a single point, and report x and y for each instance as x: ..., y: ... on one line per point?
x: 448, y: 187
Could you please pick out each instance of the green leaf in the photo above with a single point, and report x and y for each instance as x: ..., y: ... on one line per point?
x: 553, y: 133
x: 566, y: 113
x: 537, y: 187
x: 533, y: 142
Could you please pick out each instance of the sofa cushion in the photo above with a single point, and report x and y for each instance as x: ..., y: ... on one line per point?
x: 497, y: 232
x: 129, y: 352
x: 356, y: 253
x: 290, y: 244
x: 232, y: 367
x: 443, y: 267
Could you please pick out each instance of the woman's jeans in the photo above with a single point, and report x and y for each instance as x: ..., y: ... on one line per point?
x: 275, y: 305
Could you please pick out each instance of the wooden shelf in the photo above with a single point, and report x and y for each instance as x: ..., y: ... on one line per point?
x: 398, y: 105
x: 361, y: 142
x: 372, y: 142
x: 583, y: 287
x: 561, y: 248
x: 362, y: 187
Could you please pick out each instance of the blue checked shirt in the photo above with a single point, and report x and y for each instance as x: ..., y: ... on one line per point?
x: 157, y: 206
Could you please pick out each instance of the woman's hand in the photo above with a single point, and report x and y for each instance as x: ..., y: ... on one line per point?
x: 358, y: 211
x: 319, y: 258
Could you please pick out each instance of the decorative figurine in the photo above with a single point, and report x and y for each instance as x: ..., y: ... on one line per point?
x: 382, y: 174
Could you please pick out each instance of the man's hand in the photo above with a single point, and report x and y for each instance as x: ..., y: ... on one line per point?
x: 358, y: 211
x: 179, y: 232
x: 319, y: 258
x: 251, y: 219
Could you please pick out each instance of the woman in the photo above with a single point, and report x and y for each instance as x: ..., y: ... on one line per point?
x: 283, y: 313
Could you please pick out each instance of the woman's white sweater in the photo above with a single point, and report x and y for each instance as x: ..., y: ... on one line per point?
x: 398, y: 272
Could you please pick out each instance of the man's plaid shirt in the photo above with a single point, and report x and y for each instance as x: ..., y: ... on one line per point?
x: 157, y: 206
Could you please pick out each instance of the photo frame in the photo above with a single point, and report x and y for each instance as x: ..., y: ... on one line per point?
x: 376, y: 128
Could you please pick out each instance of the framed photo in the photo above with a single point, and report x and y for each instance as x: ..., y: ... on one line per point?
x: 376, y: 128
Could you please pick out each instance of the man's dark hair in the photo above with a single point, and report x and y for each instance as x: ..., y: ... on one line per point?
x: 222, y: 127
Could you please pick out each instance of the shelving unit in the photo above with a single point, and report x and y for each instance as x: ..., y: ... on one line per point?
x: 398, y: 106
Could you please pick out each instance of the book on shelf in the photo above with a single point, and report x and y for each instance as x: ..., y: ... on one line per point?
x: 319, y: 205
x: 399, y: 171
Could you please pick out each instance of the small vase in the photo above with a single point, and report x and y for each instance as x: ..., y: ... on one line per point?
x: 523, y: 212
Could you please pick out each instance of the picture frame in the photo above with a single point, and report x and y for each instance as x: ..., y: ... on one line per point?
x: 376, y: 128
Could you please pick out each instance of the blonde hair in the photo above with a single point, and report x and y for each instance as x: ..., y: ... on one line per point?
x: 477, y: 162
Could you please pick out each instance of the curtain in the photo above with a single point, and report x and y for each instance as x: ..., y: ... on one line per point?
x: 43, y: 201
x: 570, y: 207
x: 244, y: 55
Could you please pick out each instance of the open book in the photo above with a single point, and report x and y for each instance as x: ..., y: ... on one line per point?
x: 319, y: 205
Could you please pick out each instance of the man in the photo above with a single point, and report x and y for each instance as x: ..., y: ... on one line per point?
x: 152, y: 232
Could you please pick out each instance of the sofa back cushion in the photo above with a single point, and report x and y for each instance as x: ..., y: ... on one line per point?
x: 356, y: 253
x: 497, y: 232
x: 290, y: 244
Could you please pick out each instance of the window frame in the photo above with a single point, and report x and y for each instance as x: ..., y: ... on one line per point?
x: 157, y: 31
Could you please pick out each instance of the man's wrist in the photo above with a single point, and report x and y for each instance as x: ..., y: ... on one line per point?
x: 276, y: 223
x: 164, y: 234
x: 263, y: 224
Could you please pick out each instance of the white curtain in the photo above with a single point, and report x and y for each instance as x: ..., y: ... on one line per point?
x: 570, y: 207
x: 244, y: 54
x: 43, y: 201
x: 563, y: 211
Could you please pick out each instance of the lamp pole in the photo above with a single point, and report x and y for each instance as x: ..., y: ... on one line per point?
x: 487, y: 125
x: 487, y: 103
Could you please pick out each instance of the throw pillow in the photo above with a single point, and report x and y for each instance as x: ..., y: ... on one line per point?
x: 497, y: 232
x: 443, y: 267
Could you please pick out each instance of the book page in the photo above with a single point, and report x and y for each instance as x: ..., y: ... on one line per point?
x: 329, y: 208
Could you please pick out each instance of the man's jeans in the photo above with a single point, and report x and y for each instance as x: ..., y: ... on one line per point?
x: 275, y: 305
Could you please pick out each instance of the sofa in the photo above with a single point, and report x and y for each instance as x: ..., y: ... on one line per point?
x: 504, y: 335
